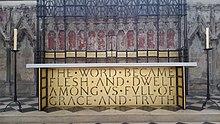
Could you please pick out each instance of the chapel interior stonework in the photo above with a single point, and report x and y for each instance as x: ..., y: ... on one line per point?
x: 22, y: 15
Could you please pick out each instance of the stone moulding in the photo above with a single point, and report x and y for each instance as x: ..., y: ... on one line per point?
x: 67, y: 65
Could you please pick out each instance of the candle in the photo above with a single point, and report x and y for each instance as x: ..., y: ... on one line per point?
x: 207, y: 38
x: 15, y: 39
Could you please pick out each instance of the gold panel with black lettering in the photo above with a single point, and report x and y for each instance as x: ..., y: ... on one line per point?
x: 42, y: 103
x: 150, y: 86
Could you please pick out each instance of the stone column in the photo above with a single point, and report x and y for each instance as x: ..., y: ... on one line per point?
x: 213, y: 69
x: 3, y: 70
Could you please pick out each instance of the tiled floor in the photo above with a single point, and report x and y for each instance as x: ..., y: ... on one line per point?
x: 30, y: 104
x: 194, y: 103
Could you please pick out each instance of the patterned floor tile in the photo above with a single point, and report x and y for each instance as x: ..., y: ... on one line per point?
x: 180, y: 123
x: 26, y: 100
x: 147, y: 108
x: 99, y: 109
x: 214, y: 107
x: 75, y: 109
x: 171, y: 108
x: 196, y: 98
x: 189, y: 103
x: 208, y: 123
x: 153, y: 123
x: 123, y: 108
x: 33, y: 104
x: 195, y: 108
x: 52, y: 109
x: 125, y: 123
x: 13, y: 104
x: 6, y: 100
x: 29, y: 104
x: 201, y: 101
x: 30, y: 109
x: 8, y: 109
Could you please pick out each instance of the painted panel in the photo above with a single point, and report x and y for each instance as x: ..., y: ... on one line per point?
x: 111, y: 40
x: 130, y: 40
x: 180, y: 72
x: 92, y: 41
x: 44, y: 82
x: 181, y: 88
x: 42, y: 89
x: 180, y: 101
x: 101, y: 54
x: 51, y: 40
x: 161, y: 39
x: 72, y: 40
x: 180, y: 81
x: 121, y: 40
x: 150, y: 40
x: 180, y: 91
x: 44, y: 92
x: 61, y: 37
x: 44, y: 103
x: 81, y: 40
x: 141, y: 40
x: 101, y: 40
x: 170, y: 39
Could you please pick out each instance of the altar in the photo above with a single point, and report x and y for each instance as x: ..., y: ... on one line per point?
x: 112, y: 84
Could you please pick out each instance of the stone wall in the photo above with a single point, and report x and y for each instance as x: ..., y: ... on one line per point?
x: 22, y: 15
x: 199, y: 17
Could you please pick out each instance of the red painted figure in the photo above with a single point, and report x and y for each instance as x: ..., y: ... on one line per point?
x: 130, y: 40
x: 81, y: 40
x: 72, y: 40
x: 150, y: 40
x: 61, y: 40
x: 101, y: 40
x: 161, y: 39
x: 170, y: 39
x: 111, y: 40
x: 51, y: 40
x: 141, y: 40
x: 121, y: 40
x: 91, y: 41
